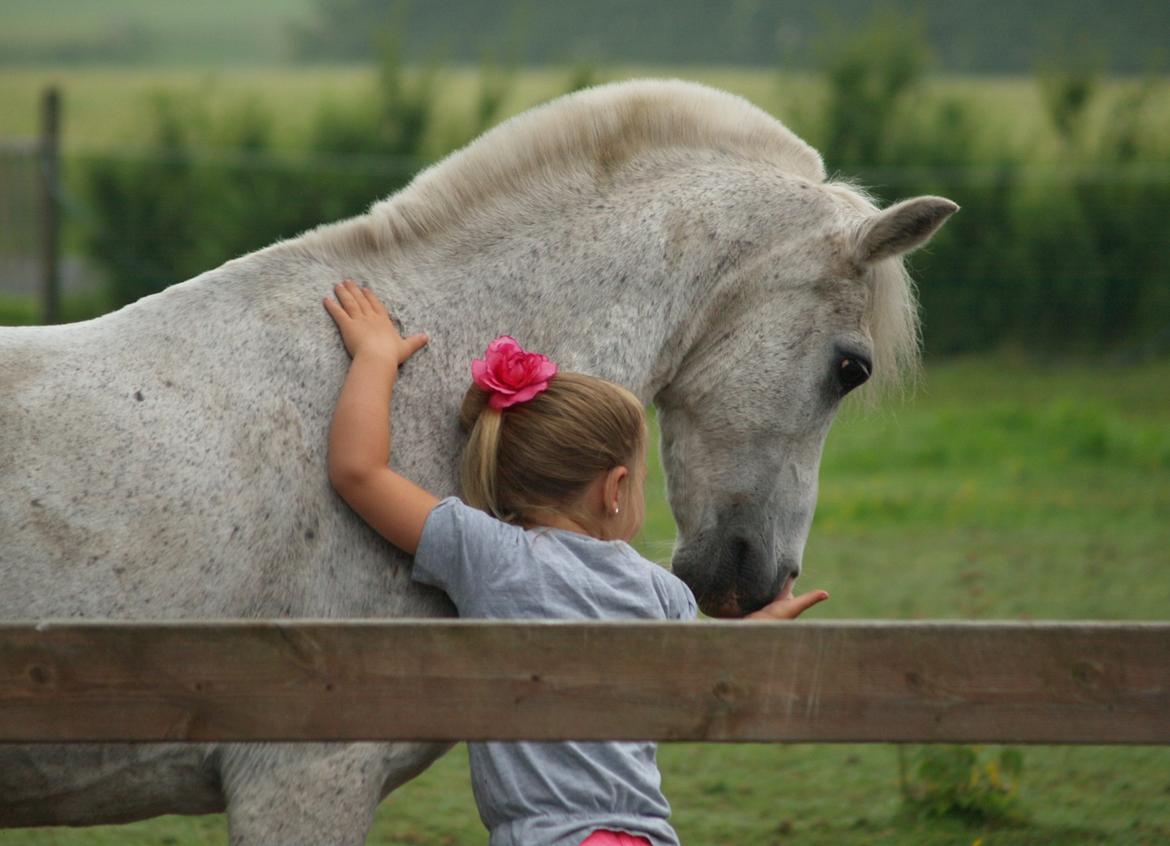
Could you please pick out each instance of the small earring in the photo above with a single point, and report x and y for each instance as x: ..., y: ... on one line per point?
x: 616, y: 511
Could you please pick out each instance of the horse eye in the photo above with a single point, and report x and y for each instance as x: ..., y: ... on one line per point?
x: 852, y: 370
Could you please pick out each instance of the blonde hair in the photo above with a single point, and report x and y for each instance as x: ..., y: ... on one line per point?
x: 541, y: 455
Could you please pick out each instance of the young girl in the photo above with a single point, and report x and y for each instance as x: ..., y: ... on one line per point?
x: 552, y: 475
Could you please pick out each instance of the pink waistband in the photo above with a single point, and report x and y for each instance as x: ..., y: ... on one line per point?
x: 614, y: 838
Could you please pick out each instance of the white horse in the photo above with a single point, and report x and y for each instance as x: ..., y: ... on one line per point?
x: 168, y: 460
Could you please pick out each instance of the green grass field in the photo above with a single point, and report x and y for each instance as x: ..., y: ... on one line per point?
x: 1002, y: 489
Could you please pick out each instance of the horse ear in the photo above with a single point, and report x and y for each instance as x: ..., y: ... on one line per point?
x: 902, y: 227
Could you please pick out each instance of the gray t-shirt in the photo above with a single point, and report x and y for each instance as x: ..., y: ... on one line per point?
x: 553, y: 794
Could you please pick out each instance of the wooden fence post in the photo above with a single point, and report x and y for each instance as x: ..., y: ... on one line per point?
x: 50, y: 154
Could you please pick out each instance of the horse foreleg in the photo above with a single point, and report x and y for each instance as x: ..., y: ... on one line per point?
x: 310, y: 794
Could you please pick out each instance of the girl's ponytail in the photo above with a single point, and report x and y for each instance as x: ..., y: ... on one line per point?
x: 479, y: 471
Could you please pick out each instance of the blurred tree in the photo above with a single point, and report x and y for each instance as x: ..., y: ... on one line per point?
x: 1068, y: 81
x: 870, y: 73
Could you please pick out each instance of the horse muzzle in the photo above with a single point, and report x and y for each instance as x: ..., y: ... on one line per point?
x: 733, y: 573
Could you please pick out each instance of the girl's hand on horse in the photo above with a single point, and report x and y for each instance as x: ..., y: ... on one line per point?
x: 365, y: 325
x: 786, y: 606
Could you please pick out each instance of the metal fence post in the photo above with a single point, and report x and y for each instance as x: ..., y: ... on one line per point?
x: 50, y: 153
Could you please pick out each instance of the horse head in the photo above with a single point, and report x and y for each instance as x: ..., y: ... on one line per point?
x: 815, y: 305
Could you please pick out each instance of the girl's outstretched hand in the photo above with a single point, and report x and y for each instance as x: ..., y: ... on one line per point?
x: 366, y: 327
x: 786, y: 606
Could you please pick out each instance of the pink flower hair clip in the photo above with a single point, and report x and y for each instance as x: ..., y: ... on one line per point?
x: 510, y: 373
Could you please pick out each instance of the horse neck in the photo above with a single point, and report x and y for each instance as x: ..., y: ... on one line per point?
x: 576, y: 282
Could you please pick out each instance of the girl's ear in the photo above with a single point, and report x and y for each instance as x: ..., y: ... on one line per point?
x: 611, y: 488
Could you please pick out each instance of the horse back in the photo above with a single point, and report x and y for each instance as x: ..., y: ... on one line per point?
x: 140, y: 474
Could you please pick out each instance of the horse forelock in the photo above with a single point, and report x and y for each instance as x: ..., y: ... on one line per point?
x: 593, y: 130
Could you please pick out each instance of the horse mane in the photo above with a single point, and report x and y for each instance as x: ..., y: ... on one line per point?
x: 596, y: 130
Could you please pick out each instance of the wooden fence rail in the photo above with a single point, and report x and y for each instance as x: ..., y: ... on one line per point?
x: 714, y: 681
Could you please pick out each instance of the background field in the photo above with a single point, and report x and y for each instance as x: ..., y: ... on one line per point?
x: 1001, y: 490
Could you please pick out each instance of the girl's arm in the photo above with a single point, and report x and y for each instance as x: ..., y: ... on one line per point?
x: 359, y: 439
